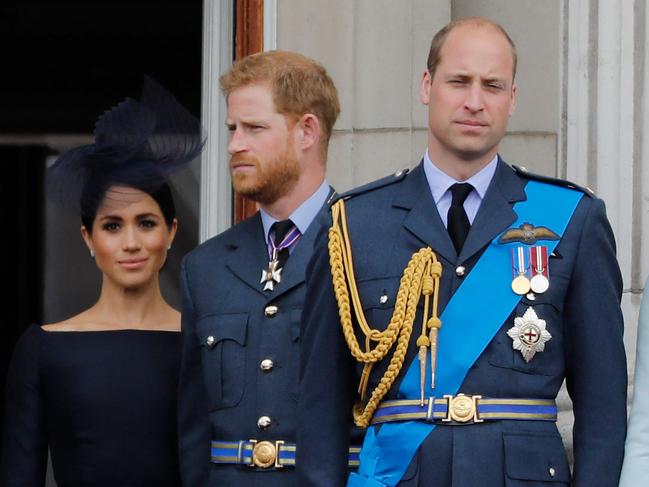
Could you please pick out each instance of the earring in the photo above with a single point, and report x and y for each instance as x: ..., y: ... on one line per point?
x: 169, y: 248
x: 92, y: 253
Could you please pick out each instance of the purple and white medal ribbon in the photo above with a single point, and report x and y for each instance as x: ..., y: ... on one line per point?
x: 273, y: 275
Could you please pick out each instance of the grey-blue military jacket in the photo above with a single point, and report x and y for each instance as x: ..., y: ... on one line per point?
x: 390, y: 220
x: 240, y: 361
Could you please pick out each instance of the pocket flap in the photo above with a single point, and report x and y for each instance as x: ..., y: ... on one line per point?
x: 378, y: 293
x: 536, y: 457
x: 222, y: 327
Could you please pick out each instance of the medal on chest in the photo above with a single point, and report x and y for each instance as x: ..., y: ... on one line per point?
x: 520, y: 269
x: 540, y: 281
x: 272, y: 275
x: 529, y: 334
x: 530, y: 270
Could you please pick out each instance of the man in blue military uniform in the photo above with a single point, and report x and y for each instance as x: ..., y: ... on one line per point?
x: 453, y: 300
x: 243, y: 291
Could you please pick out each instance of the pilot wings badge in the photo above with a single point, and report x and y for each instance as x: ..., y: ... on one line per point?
x: 527, y: 234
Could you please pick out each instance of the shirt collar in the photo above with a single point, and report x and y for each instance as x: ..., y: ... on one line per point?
x: 439, y: 181
x: 303, y: 215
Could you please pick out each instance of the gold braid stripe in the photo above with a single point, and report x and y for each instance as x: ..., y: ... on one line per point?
x: 421, y: 276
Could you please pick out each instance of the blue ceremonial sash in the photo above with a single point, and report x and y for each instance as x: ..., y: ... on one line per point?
x: 487, y: 292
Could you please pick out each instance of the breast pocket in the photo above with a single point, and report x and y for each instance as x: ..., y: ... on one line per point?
x: 535, y: 461
x: 377, y: 299
x: 525, y: 326
x: 223, y: 348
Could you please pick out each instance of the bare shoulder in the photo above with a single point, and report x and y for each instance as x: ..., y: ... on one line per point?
x: 81, y: 322
x: 166, y: 318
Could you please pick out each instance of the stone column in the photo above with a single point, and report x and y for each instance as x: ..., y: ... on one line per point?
x: 375, y: 50
x: 216, y: 195
x: 604, y: 86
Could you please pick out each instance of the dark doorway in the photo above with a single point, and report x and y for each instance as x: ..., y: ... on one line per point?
x: 21, y: 202
x: 65, y: 62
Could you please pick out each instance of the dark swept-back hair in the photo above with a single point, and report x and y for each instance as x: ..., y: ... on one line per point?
x: 161, y: 195
x: 138, y: 144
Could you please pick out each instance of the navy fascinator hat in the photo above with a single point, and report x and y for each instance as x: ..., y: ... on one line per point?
x: 138, y: 144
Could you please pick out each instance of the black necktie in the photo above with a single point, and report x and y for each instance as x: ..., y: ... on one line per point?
x: 278, y: 231
x: 458, y: 223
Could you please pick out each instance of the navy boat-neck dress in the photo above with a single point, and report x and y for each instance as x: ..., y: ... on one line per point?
x: 104, y: 402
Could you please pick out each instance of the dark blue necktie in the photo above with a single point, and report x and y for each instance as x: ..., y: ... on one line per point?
x: 278, y: 232
x: 458, y: 223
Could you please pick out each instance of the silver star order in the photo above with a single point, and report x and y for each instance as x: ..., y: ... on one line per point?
x: 271, y: 276
x: 529, y: 334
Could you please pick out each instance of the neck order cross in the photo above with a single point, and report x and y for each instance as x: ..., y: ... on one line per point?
x: 283, y: 234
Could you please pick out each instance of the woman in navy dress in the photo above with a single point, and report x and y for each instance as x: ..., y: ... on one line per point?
x: 99, y: 389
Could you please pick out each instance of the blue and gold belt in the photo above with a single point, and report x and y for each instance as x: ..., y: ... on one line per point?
x: 263, y: 454
x: 462, y: 409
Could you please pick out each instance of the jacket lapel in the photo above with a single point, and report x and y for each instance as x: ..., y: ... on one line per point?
x: 247, y: 253
x: 423, y: 219
x: 493, y: 217
x: 294, y: 272
x: 496, y: 211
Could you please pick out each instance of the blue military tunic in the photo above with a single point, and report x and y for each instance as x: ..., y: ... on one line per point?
x: 240, y: 366
x: 390, y: 220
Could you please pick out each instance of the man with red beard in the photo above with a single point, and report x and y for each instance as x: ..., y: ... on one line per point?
x: 243, y: 290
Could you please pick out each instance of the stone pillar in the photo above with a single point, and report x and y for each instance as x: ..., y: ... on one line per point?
x: 606, y: 121
x: 216, y: 195
x: 535, y: 27
x: 375, y: 50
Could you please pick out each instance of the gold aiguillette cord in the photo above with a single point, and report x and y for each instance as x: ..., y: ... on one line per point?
x: 421, y: 276
x: 430, y: 286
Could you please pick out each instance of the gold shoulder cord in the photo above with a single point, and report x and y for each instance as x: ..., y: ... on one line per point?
x: 421, y: 276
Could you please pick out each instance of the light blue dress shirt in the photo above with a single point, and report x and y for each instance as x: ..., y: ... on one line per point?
x: 440, y: 182
x: 303, y: 215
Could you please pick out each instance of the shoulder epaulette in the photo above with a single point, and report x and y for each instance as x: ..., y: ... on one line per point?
x: 522, y: 171
x: 379, y: 183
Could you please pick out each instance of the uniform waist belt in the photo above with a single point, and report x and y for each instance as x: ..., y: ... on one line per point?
x: 263, y: 454
x: 463, y: 409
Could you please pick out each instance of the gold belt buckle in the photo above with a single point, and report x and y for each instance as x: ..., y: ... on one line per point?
x: 265, y: 454
x: 462, y: 409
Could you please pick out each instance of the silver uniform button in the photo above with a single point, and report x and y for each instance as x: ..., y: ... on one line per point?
x: 460, y: 271
x: 263, y: 422
x: 383, y: 299
x: 552, y: 471
x: 266, y: 365
x: 271, y: 311
x: 210, y: 341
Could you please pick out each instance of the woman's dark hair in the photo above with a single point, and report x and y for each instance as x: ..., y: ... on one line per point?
x: 138, y: 144
x: 161, y: 195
